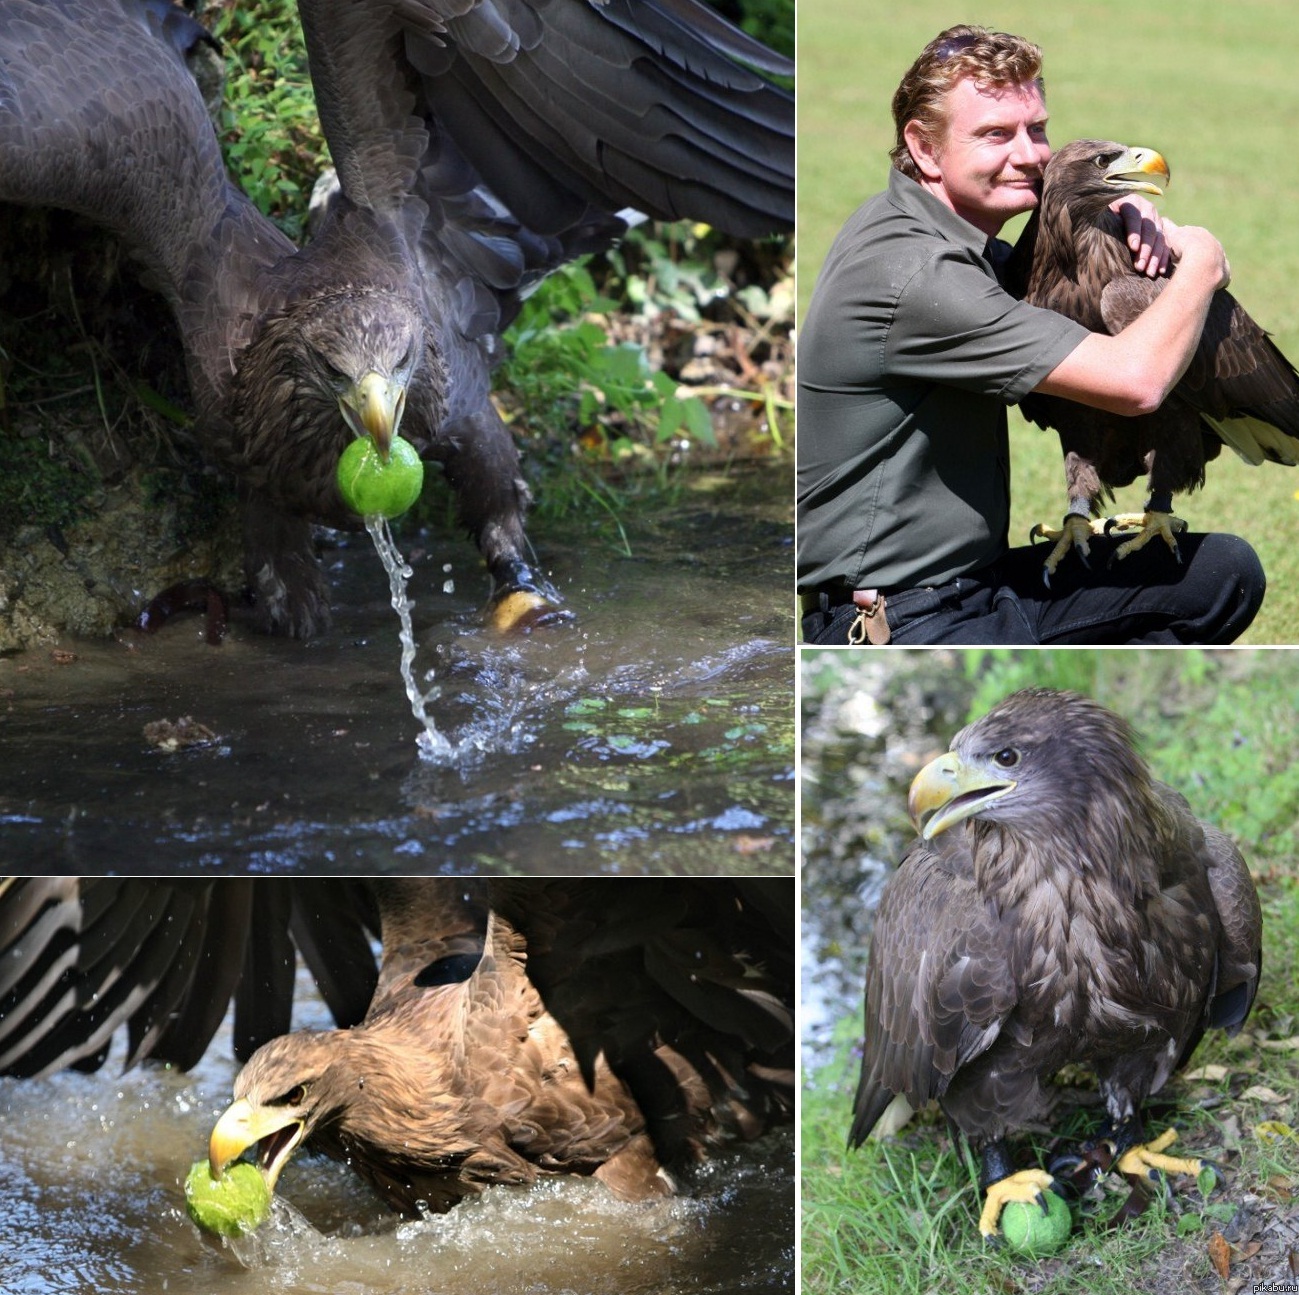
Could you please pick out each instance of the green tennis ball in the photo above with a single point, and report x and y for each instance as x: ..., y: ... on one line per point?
x: 237, y: 1203
x: 1027, y: 1230
x: 369, y: 485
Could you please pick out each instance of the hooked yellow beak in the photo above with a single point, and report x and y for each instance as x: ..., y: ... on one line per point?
x: 373, y: 408
x: 947, y: 790
x: 244, y: 1125
x: 1138, y: 170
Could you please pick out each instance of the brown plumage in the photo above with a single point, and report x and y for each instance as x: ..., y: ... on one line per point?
x: 515, y: 1028
x: 1062, y: 907
x: 1239, y: 388
x: 477, y: 146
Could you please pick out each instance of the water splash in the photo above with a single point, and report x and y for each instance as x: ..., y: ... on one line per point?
x: 502, y: 697
x: 432, y: 743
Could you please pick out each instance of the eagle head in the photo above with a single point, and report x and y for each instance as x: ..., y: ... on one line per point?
x: 1089, y: 174
x: 286, y: 1091
x: 360, y: 353
x: 1033, y: 761
x: 371, y: 1095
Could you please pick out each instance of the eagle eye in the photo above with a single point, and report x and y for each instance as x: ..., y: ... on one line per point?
x: 1006, y: 758
x: 295, y: 1096
x: 332, y: 371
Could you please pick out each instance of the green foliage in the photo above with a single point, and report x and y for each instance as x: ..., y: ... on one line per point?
x: 568, y: 366
x: 998, y: 672
x: 771, y: 21
x: 562, y: 369
x: 39, y: 487
x: 271, y: 134
x: 1215, y: 725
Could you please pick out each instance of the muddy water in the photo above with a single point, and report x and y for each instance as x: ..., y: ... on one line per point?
x: 652, y: 734
x: 91, y: 1173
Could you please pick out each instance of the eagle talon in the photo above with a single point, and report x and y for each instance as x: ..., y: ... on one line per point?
x: 1147, y: 1160
x: 1026, y: 1185
x: 521, y: 603
x: 1152, y: 523
x: 1075, y: 533
x: 518, y: 610
x: 1076, y: 1174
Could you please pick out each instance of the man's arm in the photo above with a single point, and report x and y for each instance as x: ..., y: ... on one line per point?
x: 1133, y: 372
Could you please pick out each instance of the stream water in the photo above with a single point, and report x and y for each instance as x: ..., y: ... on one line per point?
x: 653, y: 733
x: 92, y: 1167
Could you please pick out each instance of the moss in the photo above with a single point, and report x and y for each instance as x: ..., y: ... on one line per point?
x: 38, y: 488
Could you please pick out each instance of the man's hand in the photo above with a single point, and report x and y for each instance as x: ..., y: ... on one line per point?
x: 1198, y: 252
x: 1144, y: 230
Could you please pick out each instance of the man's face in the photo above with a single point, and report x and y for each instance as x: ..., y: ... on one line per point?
x: 988, y: 166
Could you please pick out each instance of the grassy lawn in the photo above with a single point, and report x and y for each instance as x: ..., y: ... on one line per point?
x: 1211, y: 86
x: 898, y: 1216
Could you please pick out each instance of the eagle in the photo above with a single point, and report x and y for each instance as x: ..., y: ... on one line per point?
x: 1061, y: 907
x: 1239, y: 388
x: 478, y: 144
x: 512, y: 1029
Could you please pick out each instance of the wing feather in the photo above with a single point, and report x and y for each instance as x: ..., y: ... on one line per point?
x: 81, y: 958
x: 938, y: 983
x: 557, y: 107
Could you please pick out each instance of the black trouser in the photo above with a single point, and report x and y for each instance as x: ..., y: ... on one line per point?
x: 1147, y: 597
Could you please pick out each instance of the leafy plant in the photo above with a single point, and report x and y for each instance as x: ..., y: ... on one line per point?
x: 271, y: 135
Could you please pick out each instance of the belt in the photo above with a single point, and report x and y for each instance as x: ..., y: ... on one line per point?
x: 871, y: 623
x: 824, y: 600
x: 828, y: 597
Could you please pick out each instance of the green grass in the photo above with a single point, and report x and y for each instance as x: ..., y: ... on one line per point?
x: 899, y: 1215
x: 1211, y: 86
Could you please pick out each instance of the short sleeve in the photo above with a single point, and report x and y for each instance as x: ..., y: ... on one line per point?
x: 954, y: 324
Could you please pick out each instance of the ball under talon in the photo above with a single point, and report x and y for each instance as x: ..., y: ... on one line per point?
x: 1037, y: 1229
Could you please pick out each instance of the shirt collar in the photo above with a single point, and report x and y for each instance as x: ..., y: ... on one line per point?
x: 907, y: 195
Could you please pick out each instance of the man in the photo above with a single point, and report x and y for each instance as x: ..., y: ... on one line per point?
x: 910, y: 353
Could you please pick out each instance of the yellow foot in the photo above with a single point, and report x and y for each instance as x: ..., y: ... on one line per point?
x: 1027, y: 1185
x: 523, y: 609
x: 1123, y: 523
x: 1145, y: 1159
x: 1075, y: 532
x: 1165, y: 525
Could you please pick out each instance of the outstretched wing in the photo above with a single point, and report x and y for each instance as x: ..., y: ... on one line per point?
x: 100, y: 114
x: 686, y: 986
x: 505, y: 136
x: 81, y: 958
x: 557, y: 106
x: 938, y: 982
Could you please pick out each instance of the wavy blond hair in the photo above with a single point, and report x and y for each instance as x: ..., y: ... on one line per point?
x: 991, y: 58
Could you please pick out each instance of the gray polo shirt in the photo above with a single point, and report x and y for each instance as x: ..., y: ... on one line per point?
x: 907, y: 359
